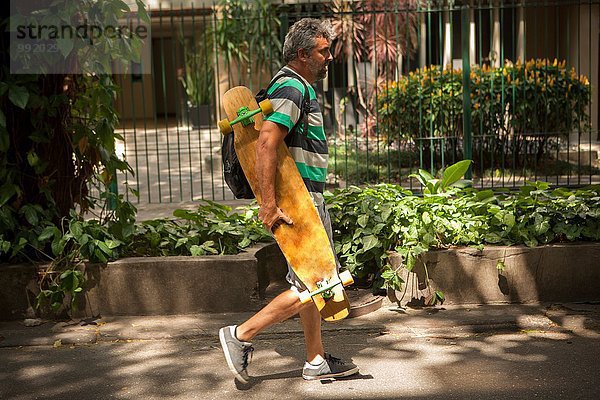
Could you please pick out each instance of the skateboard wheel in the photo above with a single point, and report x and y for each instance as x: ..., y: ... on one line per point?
x: 225, y: 126
x: 346, y: 278
x: 266, y: 107
x: 305, y: 297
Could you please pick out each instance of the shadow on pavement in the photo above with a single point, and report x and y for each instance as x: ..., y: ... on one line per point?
x: 404, y: 360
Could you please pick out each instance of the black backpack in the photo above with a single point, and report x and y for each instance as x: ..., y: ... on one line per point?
x: 232, y: 170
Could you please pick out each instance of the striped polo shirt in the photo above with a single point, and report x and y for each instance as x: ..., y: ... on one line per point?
x: 309, y: 150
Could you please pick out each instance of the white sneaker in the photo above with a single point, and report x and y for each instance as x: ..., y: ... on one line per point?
x: 330, y: 368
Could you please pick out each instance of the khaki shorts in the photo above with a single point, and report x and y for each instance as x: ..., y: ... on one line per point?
x: 291, y: 277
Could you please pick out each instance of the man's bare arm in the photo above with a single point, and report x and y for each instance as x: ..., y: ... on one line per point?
x: 270, y: 137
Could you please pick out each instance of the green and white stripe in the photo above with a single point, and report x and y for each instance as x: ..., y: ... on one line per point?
x: 309, y: 150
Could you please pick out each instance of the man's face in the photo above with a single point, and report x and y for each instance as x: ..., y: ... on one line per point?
x: 318, y: 59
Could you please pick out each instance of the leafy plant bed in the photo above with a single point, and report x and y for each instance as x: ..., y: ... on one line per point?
x: 213, y: 229
x: 370, y: 222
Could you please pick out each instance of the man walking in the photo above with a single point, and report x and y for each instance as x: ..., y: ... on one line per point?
x: 306, y: 55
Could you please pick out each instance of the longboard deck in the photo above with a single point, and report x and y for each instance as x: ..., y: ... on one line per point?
x: 305, y: 243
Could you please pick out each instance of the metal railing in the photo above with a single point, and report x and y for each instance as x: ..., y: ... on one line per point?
x: 414, y: 84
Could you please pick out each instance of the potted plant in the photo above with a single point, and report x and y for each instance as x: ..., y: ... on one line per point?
x: 197, y: 79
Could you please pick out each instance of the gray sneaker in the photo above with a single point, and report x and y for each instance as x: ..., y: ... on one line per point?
x: 330, y: 368
x: 236, y: 353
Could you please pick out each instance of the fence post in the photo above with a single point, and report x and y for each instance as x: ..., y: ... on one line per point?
x: 113, y: 189
x: 466, y: 79
x: 284, y: 27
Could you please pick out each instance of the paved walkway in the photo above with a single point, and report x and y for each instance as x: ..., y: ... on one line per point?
x: 476, y: 352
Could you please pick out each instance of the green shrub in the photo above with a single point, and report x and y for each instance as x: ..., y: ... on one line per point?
x: 370, y: 222
x: 538, y: 100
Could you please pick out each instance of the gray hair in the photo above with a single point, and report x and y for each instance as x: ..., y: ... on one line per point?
x: 303, y: 35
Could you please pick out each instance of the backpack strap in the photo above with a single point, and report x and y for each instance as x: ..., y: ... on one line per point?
x: 304, y: 107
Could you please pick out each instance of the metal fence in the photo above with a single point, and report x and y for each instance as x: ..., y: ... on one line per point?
x: 511, y: 85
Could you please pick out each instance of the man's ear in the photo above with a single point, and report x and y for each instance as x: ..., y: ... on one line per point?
x: 302, y: 54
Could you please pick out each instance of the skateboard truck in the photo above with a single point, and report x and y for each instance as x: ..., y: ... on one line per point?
x: 324, y: 287
x: 245, y: 116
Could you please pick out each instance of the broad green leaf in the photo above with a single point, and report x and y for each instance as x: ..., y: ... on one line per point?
x: 346, y: 247
x: 47, y: 233
x: 127, y: 231
x: 426, y: 175
x: 104, y: 247
x: 112, y: 244
x: 436, y: 186
x: 531, y: 242
x: 392, y: 279
x: 369, y: 242
x: 100, y: 256
x: 409, y: 261
x: 541, y: 226
x: 31, y: 215
x: 541, y: 185
x: 454, y: 172
x: 509, y: 220
x: 386, y: 212
x: 142, y: 11
x: 196, y: 251
x: 58, y: 245
x: 419, y: 178
x: 66, y: 274
x: 32, y: 158
x: 484, y: 194
x: 7, y: 191
x: 426, y: 218
x: 83, y: 239
x: 208, y: 247
x: 377, y: 229
x: 5, y: 246
x: 76, y: 229
x: 417, y: 250
x: 183, y: 214
x: 492, y: 237
x: 18, y: 95
x: 362, y: 220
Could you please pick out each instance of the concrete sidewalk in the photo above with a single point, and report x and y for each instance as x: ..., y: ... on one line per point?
x: 474, y: 352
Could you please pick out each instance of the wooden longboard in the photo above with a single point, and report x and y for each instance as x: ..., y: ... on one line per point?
x: 305, y: 243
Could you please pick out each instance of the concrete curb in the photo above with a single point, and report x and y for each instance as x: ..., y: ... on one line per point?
x: 563, y: 272
x: 157, y: 285
x: 186, y: 285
